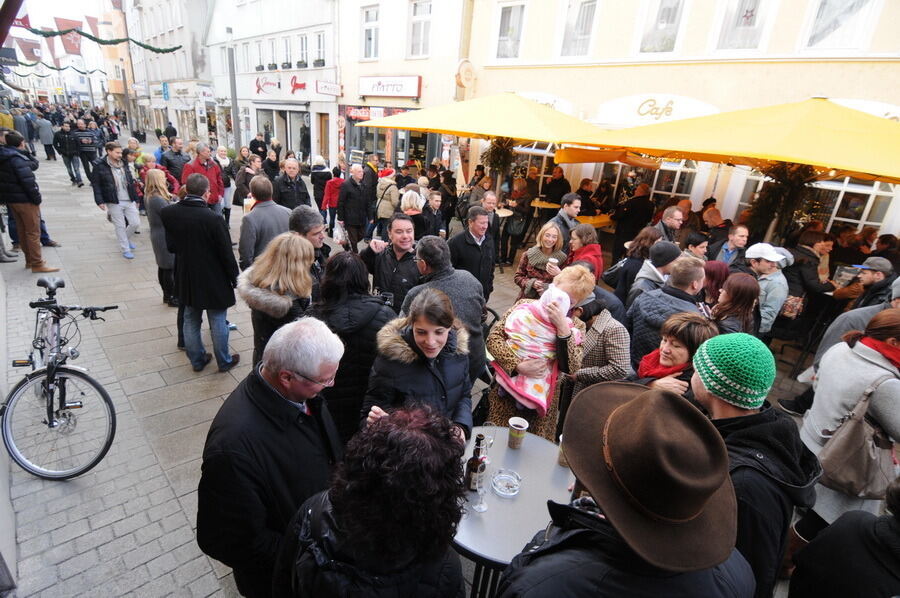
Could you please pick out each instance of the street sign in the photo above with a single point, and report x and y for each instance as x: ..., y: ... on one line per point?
x: 165, y: 90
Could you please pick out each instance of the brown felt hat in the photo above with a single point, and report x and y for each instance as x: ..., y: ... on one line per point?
x: 658, y: 469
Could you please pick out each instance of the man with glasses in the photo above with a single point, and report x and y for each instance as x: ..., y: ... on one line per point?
x: 669, y: 224
x: 271, y: 446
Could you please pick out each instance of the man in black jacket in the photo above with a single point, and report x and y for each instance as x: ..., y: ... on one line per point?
x: 630, y: 218
x: 369, y: 185
x: 271, y: 446
x: 404, y: 178
x: 174, y: 159
x: 392, y: 265
x: 731, y: 249
x: 87, y: 146
x: 289, y: 189
x: 258, y: 146
x: 771, y: 469
x: 115, y: 194
x: 473, y: 249
x: 205, y: 272
x: 67, y: 145
x: 354, y: 212
x: 308, y: 222
x: 19, y: 190
x: 876, y: 275
x: 434, y: 217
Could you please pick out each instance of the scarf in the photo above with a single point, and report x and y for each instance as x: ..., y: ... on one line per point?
x: 224, y: 162
x: 890, y: 353
x: 651, y: 368
x: 538, y: 259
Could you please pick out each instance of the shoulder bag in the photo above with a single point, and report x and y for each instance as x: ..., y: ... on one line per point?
x: 857, y: 458
x: 611, y: 275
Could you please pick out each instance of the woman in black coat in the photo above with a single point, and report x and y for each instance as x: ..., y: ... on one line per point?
x: 318, y: 177
x: 638, y: 251
x: 803, y: 275
x: 277, y: 287
x: 857, y: 555
x: 356, y: 317
x: 631, y: 216
x: 423, y: 359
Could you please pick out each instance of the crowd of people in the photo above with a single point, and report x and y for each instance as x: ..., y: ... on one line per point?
x: 335, y: 466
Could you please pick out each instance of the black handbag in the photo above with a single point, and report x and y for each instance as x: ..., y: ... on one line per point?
x: 515, y: 225
x: 611, y: 275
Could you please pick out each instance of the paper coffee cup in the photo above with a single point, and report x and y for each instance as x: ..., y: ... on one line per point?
x: 553, y: 261
x: 517, y: 428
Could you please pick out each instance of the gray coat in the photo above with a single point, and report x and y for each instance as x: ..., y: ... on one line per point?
x: 45, y: 131
x: 844, y: 373
x: 164, y: 259
x: 855, y: 319
x: 647, y: 279
x: 265, y: 221
x: 467, y: 300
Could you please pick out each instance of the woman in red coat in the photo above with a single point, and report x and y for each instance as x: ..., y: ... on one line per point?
x: 584, y: 247
x: 150, y: 162
x: 330, y: 198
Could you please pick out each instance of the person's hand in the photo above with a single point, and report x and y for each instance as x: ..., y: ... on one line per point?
x: 375, y: 413
x: 377, y: 245
x: 552, y: 269
x: 558, y: 319
x: 538, y: 286
x: 670, y: 383
x: 102, y: 206
x: 532, y: 368
x: 459, y: 434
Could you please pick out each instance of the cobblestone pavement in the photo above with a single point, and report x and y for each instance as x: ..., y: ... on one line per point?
x: 127, y: 527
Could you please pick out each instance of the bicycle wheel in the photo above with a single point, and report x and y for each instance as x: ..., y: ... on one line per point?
x: 81, y: 437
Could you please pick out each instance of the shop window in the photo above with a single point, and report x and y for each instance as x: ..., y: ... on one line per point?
x: 370, y: 32
x: 509, y: 35
x: 742, y: 25
x: 579, y: 23
x: 662, y: 24
x: 841, y: 24
x: 300, y: 137
x: 419, y: 28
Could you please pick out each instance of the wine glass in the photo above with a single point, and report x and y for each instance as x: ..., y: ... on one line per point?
x: 480, y: 506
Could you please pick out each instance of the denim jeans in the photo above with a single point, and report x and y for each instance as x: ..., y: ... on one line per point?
x: 73, y: 165
x: 218, y: 328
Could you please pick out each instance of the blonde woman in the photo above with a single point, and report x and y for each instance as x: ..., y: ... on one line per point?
x: 277, y: 287
x: 156, y: 197
x: 536, y: 270
x: 409, y: 205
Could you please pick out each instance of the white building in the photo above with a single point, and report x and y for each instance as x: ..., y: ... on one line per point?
x: 286, y: 73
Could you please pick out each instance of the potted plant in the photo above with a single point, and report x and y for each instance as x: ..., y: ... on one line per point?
x: 286, y: 65
x: 260, y: 67
x: 301, y: 64
x: 272, y: 66
x: 319, y: 62
x: 499, y: 157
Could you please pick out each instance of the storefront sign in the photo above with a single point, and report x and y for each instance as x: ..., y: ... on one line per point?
x: 328, y: 88
x: 360, y: 113
x: 297, y: 85
x: 266, y: 85
x: 156, y: 91
x: 180, y: 90
x: 393, y: 87
x: 206, y: 93
x: 648, y: 109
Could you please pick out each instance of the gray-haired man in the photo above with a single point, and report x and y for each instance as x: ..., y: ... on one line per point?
x: 307, y: 222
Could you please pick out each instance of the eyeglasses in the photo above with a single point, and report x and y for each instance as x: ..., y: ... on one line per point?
x: 308, y: 379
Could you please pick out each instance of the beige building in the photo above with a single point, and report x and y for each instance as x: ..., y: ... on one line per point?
x: 621, y: 64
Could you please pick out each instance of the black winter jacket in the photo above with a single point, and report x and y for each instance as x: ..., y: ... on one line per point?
x: 318, y: 177
x: 263, y: 457
x: 357, y: 321
x: 317, y: 270
x: 87, y: 141
x: 17, y: 181
x: 369, y: 184
x: 875, y: 294
x: 353, y: 208
x: 175, y: 162
x: 772, y: 472
x: 228, y: 172
x: 627, y: 275
x: 857, y: 555
x: 316, y: 561
x: 390, y: 275
x: 466, y: 254
x: 646, y: 316
x: 803, y: 275
x: 104, y: 182
x: 631, y: 217
x: 581, y: 554
x: 65, y: 143
x: 290, y: 193
x: 269, y: 311
x: 403, y: 376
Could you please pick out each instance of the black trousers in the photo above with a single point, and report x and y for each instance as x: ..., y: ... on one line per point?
x: 166, y: 278
x: 51, y: 153
x: 86, y: 159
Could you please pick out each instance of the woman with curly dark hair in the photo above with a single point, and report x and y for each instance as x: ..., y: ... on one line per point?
x: 385, y: 525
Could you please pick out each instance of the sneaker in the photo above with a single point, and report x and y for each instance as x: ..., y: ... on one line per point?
x: 206, y: 359
x: 235, y: 359
x: 232, y: 326
x: 792, y: 406
x: 128, y: 255
x: 131, y: 245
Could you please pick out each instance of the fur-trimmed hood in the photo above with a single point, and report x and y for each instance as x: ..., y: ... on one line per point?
x: 395, y: 342
x: 265, y: 300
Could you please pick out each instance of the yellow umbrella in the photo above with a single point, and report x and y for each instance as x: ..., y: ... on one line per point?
x: 817, y: 132
x: 499, y: 115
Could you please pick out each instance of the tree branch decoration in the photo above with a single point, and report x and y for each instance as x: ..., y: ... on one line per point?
x: 105, y: 42
x: 499, y: 156
x: 56, y: 68
x: 783, y: 198
x: 23, y: 75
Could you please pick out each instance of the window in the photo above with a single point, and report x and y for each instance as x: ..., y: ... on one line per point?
x: 579, y: 22
x: 661, y: 28
x: 320, y: 45
x: 272, y: 55
x: 245, y: 56
x: 260, y: 59
x: 287, y: 49
x: 370, y: 32
x: 186, y: 65
x: 176, y: 15
x: 419, y: 28
x: 118, y: 69
x: 742, y: 25
x: 510, y: 33
x: 303, y: 52
x: 840, y: 24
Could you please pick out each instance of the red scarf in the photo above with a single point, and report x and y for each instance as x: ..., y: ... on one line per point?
x: 651, y: 368
x: 890, y: 353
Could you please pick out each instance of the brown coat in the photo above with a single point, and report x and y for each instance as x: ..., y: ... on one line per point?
x: 527, y: 274
x: 503, y: 408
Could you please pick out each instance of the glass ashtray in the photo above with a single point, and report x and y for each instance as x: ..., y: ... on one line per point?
x: 506, y: 483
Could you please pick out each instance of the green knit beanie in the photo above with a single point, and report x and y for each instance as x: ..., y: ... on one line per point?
x: 737, y: 368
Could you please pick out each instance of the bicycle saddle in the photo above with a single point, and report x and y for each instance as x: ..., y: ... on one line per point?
x: 51, y: 283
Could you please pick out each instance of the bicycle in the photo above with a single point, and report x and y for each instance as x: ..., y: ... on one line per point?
x: 57, y: 422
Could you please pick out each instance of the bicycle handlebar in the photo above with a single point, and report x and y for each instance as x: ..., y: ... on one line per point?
x: 87, y: 310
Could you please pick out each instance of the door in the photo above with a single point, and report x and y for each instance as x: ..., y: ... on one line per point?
x: 323, y: 134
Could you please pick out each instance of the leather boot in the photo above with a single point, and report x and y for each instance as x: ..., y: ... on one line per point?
x: 794, y: 544
x: 226, y: 212
x: 43, y: 268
